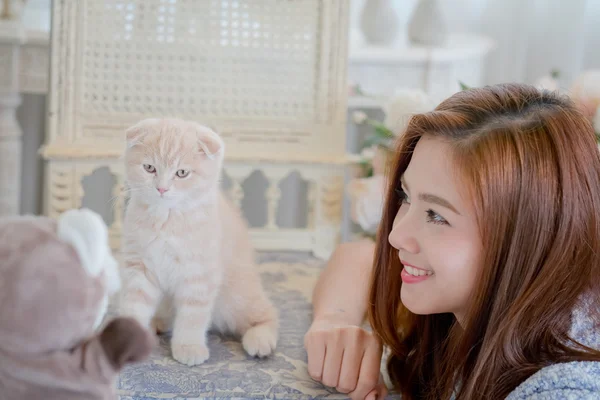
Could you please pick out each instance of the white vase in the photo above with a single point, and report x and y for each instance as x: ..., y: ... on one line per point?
x: 11, y: 9
x: 427, y: 26
x: 379, y: 22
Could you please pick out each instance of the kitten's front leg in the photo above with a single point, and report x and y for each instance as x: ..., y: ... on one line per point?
x: 140, y: 296
x: 194, y: 303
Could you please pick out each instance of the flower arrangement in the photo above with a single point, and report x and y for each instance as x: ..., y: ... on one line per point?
x: 367, y: 191
x: 11, y: 9
x: 585, y: 92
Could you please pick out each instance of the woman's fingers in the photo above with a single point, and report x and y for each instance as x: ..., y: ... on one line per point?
x: 333, y: 361
x: 345, y: 357
x: 314, y: 342
x: 351, y: 360
x: 368, y: 378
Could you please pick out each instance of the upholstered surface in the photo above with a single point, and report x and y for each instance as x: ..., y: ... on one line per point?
x: 230, y: 373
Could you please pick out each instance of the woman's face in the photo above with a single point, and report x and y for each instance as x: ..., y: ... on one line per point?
x: 436, y: 234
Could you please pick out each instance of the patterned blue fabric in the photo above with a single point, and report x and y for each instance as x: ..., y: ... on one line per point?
x: 289, y: 278
x: 229, y: 373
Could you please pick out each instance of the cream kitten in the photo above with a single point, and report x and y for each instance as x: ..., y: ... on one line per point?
x: 189, y: 263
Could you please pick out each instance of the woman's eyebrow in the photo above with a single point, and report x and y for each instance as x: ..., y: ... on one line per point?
x: 432, y: 198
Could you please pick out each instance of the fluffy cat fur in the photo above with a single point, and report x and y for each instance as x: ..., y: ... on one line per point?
x: 188, y: 260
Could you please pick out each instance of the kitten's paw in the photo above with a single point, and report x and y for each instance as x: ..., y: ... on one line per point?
x: 260, y: 340
x: 190, y: 354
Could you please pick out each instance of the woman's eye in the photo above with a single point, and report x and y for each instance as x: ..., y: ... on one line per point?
x: 403, y: 196
x: 182, y: 173
x: 149, y: 168
x: 436, y: 218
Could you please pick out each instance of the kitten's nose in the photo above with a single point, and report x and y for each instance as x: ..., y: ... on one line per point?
x: 162, y: 190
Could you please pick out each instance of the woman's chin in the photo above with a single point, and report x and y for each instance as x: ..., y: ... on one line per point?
x: 415, y: 304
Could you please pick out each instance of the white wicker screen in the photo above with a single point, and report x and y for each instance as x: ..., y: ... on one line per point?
x: 268, y: 75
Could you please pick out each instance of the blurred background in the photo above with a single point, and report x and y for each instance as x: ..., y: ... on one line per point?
x: 401, y: 57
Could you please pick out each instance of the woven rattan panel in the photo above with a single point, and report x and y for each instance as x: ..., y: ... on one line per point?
x: 269, y: 75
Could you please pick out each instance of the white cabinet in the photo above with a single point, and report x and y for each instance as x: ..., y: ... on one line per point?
x: 380, y: 70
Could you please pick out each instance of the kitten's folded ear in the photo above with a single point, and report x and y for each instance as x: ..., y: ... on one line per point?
x: 135, y: 133
x: 209, y: 142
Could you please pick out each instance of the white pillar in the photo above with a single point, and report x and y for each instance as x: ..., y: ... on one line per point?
x: 12, y: 36
x: 328, y: 212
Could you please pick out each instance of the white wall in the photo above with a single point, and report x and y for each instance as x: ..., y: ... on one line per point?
x: 31, y: 116
x: 533, y: 36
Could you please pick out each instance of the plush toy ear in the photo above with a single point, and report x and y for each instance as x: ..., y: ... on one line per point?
x: 135, y: 133
x: 87, y: 233
x: 209, y: 142
x: 124, y: 341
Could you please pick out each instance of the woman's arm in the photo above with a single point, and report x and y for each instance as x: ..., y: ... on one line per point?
x: 340, y: 353
x: 342, y: 289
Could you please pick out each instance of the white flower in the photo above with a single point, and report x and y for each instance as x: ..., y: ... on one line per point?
x: 586, y: 85
x: 597, y: 120
x: 366, y: 196
x: 359, y: 117
x: 402, y: 106
x: 368, y: 153
x: 585, y: 91
x: 547, y: 82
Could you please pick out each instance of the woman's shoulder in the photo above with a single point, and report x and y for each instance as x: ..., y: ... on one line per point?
x: 585, y: 321
x: 572, y: 380
x: 578, y: 380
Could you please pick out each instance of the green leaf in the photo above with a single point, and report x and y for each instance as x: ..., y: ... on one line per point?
x: 364, y: 163
x: 389, y: 145
x: 375, y: 140
x: 367, y: 168
x: 384, y: 132
x: 463, y: 86
x: 380, y: 129
x: 371, y: 236
x: 555, y: 73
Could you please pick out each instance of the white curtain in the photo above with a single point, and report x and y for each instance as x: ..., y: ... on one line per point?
x: 535, y: 36
x: 532, y: 36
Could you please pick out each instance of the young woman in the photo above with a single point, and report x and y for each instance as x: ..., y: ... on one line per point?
x: 486, y: 275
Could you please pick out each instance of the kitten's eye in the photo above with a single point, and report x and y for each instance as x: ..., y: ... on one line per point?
x: 182, y: 173
x: 149, y: 168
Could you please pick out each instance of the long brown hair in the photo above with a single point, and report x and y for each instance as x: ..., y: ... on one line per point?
x: 530, y: 162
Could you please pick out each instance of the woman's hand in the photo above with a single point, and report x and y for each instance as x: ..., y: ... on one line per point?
x: 346, y: 357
